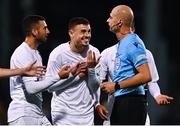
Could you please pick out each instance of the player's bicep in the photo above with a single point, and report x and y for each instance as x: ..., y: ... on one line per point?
x: 152, y: 66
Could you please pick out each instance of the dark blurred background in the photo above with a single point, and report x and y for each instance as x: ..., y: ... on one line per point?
x: 156, y: 22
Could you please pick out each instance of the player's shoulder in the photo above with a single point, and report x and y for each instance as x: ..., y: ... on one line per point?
x: 21, y: 47
x: 21, y: 51
x: 91, y: 47
x: 23, y: 55
x: 60, y: 48
x: 149, y: 53
x: 109, y: 50
x: 63, y: 45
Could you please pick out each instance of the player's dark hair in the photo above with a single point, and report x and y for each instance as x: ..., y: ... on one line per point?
x: 30, y: 22
x: 76, y: 21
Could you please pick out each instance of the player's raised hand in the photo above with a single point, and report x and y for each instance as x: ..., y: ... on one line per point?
x: 33, y: 70
x: 80, y: 69
x: 91, y: 59
x: 64, y: 71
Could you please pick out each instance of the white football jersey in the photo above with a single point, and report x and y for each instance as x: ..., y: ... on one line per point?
x: 22, y: 103
x: 72, y: 102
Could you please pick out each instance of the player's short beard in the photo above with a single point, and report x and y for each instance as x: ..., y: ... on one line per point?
x: 40, y: 41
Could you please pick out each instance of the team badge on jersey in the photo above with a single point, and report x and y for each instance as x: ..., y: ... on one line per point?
x: 67, y: 62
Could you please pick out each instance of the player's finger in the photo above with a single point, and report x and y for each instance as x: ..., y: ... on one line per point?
x: 93, y: 56
x: 170, y: 98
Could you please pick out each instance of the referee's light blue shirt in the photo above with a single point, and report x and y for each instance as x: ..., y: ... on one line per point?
x: 130, y: 54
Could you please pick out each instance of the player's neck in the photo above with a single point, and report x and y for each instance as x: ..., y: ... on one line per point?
x: 74, y: 48
x: 31, y: 42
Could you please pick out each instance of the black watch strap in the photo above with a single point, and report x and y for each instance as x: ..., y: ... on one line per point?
x: 117, y: 86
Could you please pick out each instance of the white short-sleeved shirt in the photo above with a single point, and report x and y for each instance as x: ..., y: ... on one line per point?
x: 22, y: 103
x: 72, y: 103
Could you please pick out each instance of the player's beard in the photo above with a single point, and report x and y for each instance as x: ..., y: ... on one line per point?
x: 81, y: 47
x: 41, y: 40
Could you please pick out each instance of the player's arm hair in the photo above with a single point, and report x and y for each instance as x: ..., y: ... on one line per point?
x: 11, y: 72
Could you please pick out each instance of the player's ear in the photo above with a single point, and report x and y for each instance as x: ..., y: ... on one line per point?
x: 34, y: 32
x: 70, y: 33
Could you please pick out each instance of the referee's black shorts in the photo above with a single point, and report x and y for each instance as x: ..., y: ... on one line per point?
x: 129, y: 109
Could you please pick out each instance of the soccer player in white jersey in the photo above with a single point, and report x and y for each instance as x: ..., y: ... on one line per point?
x: 73, y: 101
x: 106, y: 70
x: 26, y: 105
x: 30, y: 70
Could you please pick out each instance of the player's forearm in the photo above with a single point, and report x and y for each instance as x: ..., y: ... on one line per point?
x: 64, y: 83
x: 154, y: 89
x: 10, y: 72
x: 97, y: 97
x: 93, y: 81
x: 33, y: 87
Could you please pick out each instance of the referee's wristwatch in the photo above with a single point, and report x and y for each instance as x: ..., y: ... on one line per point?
x: 117, y: 86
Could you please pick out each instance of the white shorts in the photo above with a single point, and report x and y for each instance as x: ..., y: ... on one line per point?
x: 25, y: 120
x: 64, y: 119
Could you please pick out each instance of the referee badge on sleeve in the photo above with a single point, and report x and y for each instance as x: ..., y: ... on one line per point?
x: 140, y: 57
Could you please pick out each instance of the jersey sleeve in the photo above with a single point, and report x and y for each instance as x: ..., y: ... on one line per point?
x: 153, y: 85
x: 136, y: 54
x: 33, y: 87
x: 102, y: 67
x: 152, y: 67
x: 21, y: 60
